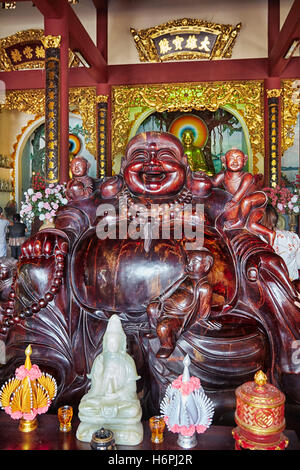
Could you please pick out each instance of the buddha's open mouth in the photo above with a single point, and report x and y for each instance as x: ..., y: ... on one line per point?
x: 153, y: 176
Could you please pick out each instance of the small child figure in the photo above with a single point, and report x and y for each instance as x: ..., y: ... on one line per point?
x: 81, y: 185
x: 246, y: 207
x: 187, y: 302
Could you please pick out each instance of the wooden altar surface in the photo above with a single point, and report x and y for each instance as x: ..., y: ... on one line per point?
x: 47, y: 436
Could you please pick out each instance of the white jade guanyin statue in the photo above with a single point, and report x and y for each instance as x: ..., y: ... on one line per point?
x: 112, y: 402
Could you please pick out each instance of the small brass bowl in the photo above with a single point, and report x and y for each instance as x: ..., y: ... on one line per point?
x: 103, y: 439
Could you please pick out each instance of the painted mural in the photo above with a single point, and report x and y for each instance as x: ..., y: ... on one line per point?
x: 213, y: 132
x: 290, y: 161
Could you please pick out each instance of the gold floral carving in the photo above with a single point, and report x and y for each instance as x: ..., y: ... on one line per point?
x: 289, y: 113
x: 29, y: 52
x: 225, y: 37
x: 246, y: 97
x: 28, y: 101
x: 101, y: 98
x: 274, y: 93
x: 51, y: 41
x: 82, y: 101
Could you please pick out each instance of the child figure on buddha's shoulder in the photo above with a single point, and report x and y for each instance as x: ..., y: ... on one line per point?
x: 246, y: 207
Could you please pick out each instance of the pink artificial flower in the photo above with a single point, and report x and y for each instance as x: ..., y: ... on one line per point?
x: 186, y: 387
x: 30, y: 416
x: 177, y: 382
x: 21, y: 373
x: 34, y: 198
x: 55, y: 205
x: 42, y: 409
x: 47, y: 191
x: 200, y: 428
x: 39, y: 195
x: 187, y: 431
x: 175, y: 428
x: 16, y: 415
x: 33, y: 373
x: 196, y: 382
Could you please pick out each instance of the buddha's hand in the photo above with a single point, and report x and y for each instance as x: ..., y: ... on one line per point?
x: 230, y: 205
x: 199, y: 183
x: 109, y: 411
x: 44, y: 244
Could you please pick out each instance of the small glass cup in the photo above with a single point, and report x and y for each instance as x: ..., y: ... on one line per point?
x: 65, y: 415
x: 157, y: 426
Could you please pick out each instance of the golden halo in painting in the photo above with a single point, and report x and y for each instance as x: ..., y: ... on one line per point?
x: 74, y: 144
x: 193, y: 123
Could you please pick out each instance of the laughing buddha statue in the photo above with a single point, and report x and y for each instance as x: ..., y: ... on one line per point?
x: 112, y: 401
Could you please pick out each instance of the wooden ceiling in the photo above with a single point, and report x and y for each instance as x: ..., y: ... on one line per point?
x: 61, y: 14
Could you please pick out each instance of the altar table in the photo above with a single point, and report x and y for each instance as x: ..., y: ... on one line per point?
x: 47, y: 436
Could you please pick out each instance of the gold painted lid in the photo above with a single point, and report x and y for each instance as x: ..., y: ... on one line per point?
x: 260, y: 392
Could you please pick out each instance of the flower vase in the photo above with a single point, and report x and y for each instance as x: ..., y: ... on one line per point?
x: 292, y: 222
x: 187, y: 442
x: 47, y: 224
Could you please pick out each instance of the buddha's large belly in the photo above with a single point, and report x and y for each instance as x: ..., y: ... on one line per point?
x: 120, y: 276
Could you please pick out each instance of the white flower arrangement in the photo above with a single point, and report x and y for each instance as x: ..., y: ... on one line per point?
x: 42, y: 203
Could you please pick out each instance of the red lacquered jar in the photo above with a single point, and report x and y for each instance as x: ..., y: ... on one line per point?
x: 259, y: 416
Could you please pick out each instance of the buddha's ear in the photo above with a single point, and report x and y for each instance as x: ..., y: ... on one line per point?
x: 185, y: 160
x: 123, y: 164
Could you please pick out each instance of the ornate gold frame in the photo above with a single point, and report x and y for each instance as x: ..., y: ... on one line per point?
x: 245, y: 97
x: 25, y: 38
x: 289, y: 113
x: 82, y: 101
x: 225, y: 39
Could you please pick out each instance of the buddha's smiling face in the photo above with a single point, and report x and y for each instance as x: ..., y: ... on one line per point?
x: 155, y: 165
x: 235, y: 160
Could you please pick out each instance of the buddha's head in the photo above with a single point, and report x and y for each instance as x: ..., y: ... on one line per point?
x: 188, y: 138
x: 154, y: 165
x: 79, y: 166
x: 234, y: 160
x: 114, y: 339
x: 199, y: 262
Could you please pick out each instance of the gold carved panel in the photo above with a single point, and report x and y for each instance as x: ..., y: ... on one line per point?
x: 26, y: 50
x: 185, y: 39
x: 289, y: 112
x: 82, y: 101
x: 245, y: 97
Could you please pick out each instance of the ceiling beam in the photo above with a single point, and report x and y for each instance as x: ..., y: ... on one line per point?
x: 288, y: 33
x: 101, y: 19
x: 79, y: 39
x: 192, y: 71
x: 273, y: 23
